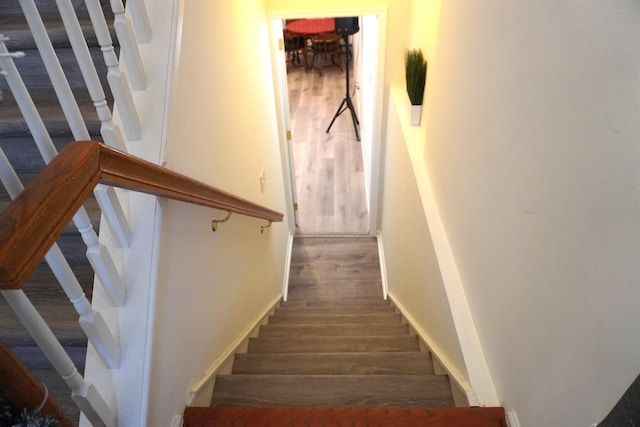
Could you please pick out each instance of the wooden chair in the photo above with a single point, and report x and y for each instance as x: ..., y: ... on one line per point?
x: 295, y: 47
x: 325, y: 47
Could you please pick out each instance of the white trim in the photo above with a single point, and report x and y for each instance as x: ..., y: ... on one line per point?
x: 383, y: 266
x: 475, y: 361
x: 281, y: 94
x: 177, y: 421
x: 152, y: 289
x: 287, y: 267
x: 377, y: 148
x: 210, y: 374
x: 171, y: 90
x: 379, y: 107
x: 512, y: 419
x: 459, y: 380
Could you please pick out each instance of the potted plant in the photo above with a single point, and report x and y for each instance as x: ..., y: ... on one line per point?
x: 416, y: 76
x: 14, y: 417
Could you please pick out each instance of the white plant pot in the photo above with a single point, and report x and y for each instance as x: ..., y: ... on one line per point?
x: 416, y: 114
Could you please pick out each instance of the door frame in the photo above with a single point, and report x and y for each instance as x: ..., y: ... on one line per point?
x: 282, y: 105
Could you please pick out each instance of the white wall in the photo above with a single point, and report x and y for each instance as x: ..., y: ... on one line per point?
x: 532, y: 149
x: 412, y: 270
x: 222, y: 130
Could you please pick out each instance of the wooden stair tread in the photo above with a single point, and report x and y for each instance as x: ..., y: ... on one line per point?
x: 12, y: 122
x: 378, y: 363
x: 381, y: 309
x: 355, y: 329
x: 348, y: 302
x: 406, y: 417
x: 332, y: 390
x: 302, y: 319
x: 333, y: 344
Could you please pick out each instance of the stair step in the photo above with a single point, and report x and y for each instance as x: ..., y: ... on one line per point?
x: 44, y: 6
x: 354, y: 302
x: 34, y: 73
x: 379, y: 363
x: 334, y: 310
x: 300, y: 319
x: 23, y: 153
x: 334, y: 288
x: 54, y: 306
x: 357, y: 329
x: 12, y: 123
x: 406, y: 417
x: 15, y: 28
x: 32, y: 356
x: 332, y: 391
x: 333, y: 344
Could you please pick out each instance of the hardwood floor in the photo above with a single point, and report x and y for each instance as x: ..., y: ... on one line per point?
x: 329, y: 171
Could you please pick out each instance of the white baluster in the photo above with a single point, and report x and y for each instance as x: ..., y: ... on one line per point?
x: 140, y: 20
x: 101, y: 261
x: 90, y: 321
x: 116, y: 78
x: 102, y: 266
x: 106, y: 196
x: 83, y: 394
x: 85, y: 62
x: 129, y: 46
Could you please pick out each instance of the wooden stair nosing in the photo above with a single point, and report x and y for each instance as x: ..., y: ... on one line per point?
x: 383, y: 309
x: 356, y: 417
x: 319, y: 330
x: 333, y: 318
x: 349, y: 302
x: 365, y: 363
x: 333, y: 344
x: 332, y: 391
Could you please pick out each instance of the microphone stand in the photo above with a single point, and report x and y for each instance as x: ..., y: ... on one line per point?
x: 346, y: 102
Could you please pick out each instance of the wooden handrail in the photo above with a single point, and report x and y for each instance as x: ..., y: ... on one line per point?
x: 23, y: 390
x: 35, y: 219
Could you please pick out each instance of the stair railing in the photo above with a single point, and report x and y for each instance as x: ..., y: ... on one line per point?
x: 98, y: 256
x: 92, y: 323
x: 36, y: 218
x: 130, y: 51
x: 141, y: 22
x: 115, y: 76
x: 84, y: 394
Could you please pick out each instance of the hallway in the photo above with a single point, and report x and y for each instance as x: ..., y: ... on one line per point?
x: 329, y: 172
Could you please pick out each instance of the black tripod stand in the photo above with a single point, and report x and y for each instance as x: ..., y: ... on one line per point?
x: 346, y: 102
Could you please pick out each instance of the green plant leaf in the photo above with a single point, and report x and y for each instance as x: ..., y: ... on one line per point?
x: 416, y: 75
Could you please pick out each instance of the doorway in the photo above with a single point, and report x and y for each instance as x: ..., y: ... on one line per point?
x: 332, y: 174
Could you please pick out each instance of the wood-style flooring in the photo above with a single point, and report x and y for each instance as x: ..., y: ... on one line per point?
x: 335, y: 354
x: 334, y: 268
x: 328, y: 167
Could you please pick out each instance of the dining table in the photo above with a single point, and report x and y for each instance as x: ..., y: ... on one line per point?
x: 312, y: 26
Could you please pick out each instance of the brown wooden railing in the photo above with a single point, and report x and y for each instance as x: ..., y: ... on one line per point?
x: 32, y: 223
x: 20, y: 388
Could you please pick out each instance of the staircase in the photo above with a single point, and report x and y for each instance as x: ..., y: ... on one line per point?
x: 351, y: 353
x: 17, y: 143
x: 329, y: 360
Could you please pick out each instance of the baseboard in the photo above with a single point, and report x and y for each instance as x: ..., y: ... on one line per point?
x: 202, y: 390
x: 440, y: 359
x: 512, y: 419
x: 287, y: 267
x: 383, y: 268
